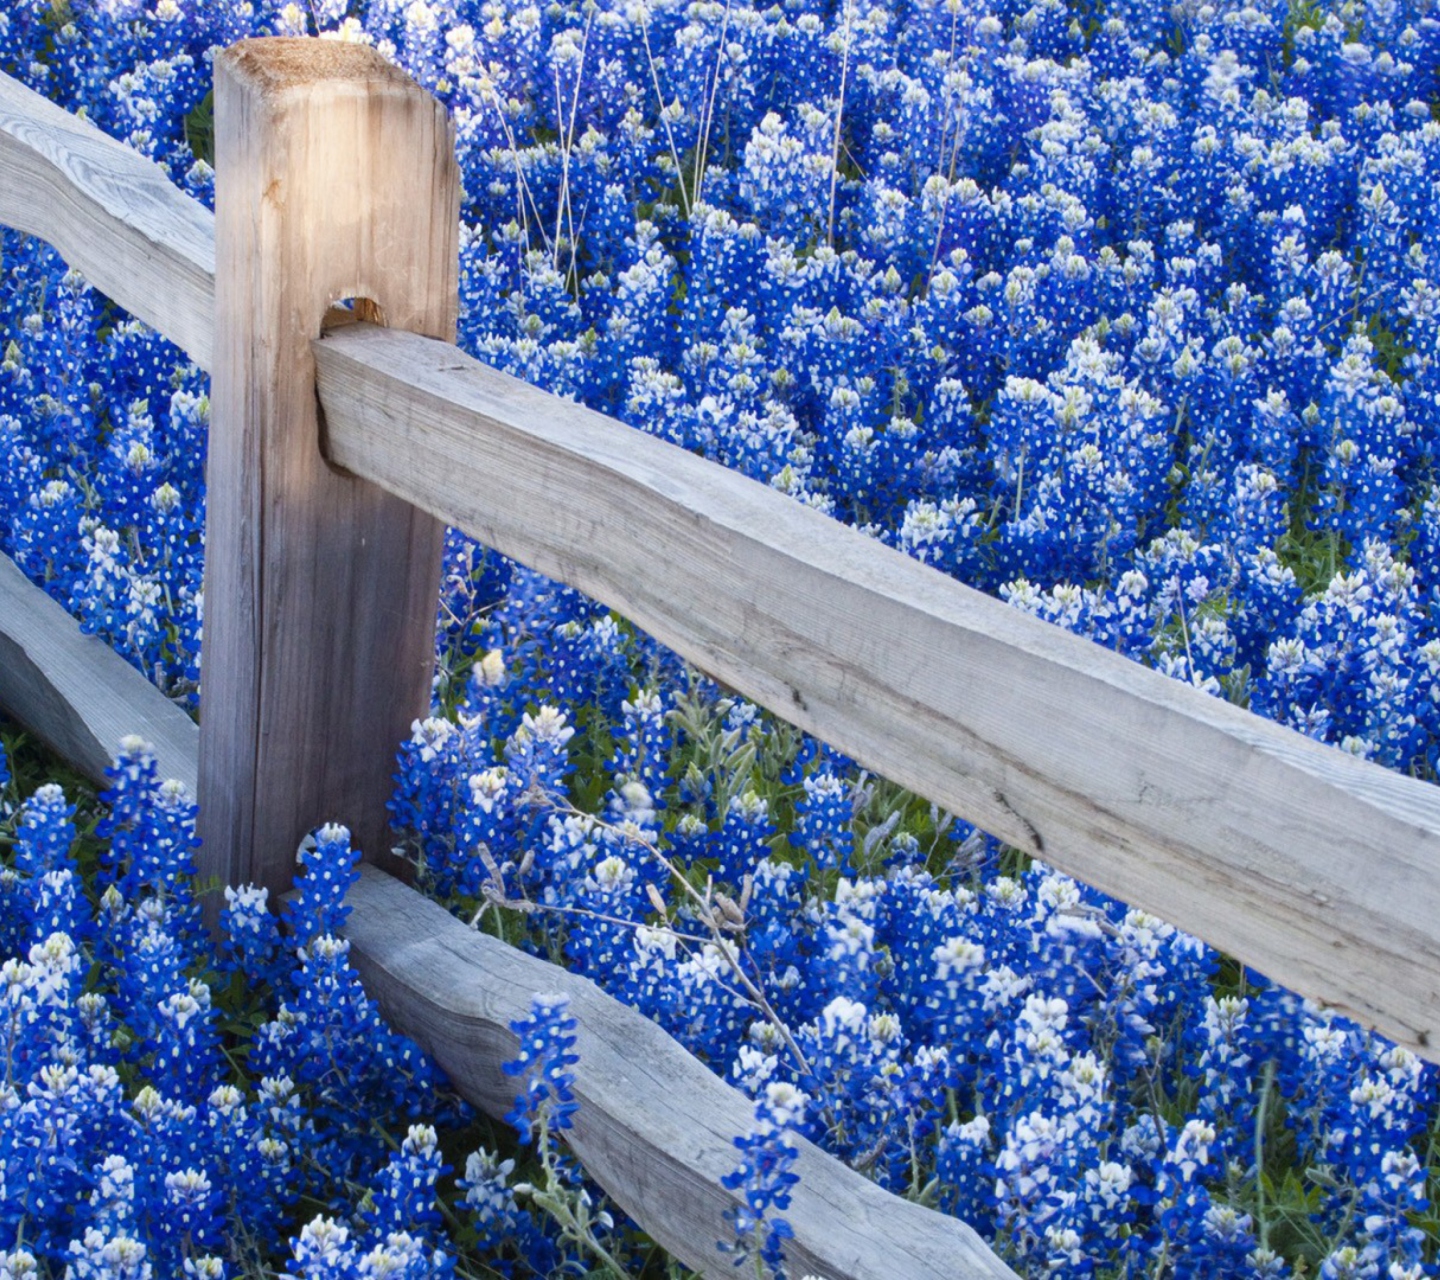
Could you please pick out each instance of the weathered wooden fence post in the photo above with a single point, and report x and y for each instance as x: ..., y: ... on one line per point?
x: 335, y: 179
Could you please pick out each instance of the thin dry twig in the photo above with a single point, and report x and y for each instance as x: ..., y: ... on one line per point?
x: 721, y: 915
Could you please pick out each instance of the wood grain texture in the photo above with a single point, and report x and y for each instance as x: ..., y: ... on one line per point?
x: 335, y: 179
x: 77, y: 694
x: 1315, y: 868
x: 655, y: 1126
x: 112, y: 214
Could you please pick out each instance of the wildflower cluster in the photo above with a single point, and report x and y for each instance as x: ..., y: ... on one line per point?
x: 1091, y: 1088
x: 1123, y: 312
x: 165, y: 1112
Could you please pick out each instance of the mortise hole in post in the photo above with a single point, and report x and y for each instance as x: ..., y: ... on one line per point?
x: 340, y: 315
x: 350, y: 311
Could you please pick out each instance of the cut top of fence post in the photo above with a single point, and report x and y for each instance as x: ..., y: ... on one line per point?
x: 277, y: 67
x: 335, y: 179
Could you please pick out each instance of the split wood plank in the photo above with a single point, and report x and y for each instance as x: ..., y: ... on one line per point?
x: 335, y: 179
x: 112, y: 214
x: 1314, y: 867
x: 655, y: 1127
x: 77, y: 694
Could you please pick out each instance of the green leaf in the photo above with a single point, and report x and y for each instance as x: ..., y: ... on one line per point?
x: 200, y: 129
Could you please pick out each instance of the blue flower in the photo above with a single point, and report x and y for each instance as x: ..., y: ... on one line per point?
x: 765, y: 1178
x: 547, y: 1040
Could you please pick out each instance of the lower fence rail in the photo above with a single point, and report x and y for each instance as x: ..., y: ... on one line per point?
x: 655, y: 1126
x: 76, y: 694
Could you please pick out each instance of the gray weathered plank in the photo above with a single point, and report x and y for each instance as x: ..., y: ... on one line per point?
x: 1316, y: 868
x: 335, y: 179
x: 655, y: 1126
x: 112, y: 214
x: 76, y: 693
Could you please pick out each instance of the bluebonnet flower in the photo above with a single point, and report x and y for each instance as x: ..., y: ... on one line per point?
x: 251, y: 939
x: 489, y: 1196
x: 824, y: 826
x: 765, y: 1178
x: 742, y: 840
x: 44, y: 884
x: 547, y: 1041
x: 405, y: 1189
x: 1127, y: 316
x: 151, y: 830
x: 331, y: 867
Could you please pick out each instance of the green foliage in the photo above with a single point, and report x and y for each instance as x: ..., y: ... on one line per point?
x: 32, y: 765
x: 1391, y: 346
x: 727, y: 763
x: 200, y: 129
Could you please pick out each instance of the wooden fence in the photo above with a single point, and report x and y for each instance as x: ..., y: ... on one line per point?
x: 338, y: 452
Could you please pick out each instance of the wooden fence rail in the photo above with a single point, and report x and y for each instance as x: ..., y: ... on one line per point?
x: 1314, y: 867
x: 78, y: 693
x: 654, y: 1126
x: 113, y: 215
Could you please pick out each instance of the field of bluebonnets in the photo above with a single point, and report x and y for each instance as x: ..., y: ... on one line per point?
x: 1127, y: 312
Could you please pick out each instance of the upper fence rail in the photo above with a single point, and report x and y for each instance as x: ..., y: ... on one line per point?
x: 1314, y: 867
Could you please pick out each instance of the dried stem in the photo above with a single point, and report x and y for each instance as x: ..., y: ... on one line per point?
x: 720, y: 914
x: 839, y: 121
